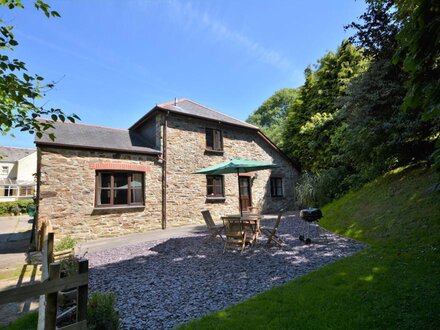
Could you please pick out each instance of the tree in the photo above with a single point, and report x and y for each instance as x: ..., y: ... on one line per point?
x: 379, y: 136
x: 313, y: 119
x: 376, y: 33
x: 419, y: 49
x: 19, y: 89
x: 271, y: 115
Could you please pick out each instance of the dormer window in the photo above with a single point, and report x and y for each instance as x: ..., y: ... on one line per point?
x: 214, y: 139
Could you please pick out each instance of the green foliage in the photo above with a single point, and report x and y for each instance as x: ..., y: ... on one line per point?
x: 16, y: 207
x: 392, y: 284
x: 420, y: 52
x: 28, y: 321
x: 376, y: 31
x: 348, y: 121
x: 316, y: 190
x: 306, y: 190
x: 101, y: 313
x: 312, y: 120
x: 20, y: 90
x: 65, y: 243
x: 69, y: 266
x: 271, y: 115
x: 379, y: 136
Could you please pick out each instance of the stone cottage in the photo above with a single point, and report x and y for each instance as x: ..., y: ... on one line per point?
x: 97, y: 181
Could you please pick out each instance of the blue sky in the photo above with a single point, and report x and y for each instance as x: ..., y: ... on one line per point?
x: 114, y: 60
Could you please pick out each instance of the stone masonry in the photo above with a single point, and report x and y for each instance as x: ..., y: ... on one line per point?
x: 67, y: 180
x: 67, y: 193
x: 186, y: 192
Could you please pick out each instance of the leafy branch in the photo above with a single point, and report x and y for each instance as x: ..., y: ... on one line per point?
x: 19, y: 89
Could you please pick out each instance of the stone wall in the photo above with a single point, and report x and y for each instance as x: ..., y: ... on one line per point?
x: 186, y: 192
x: 67, y: 193
x: 67, y: 181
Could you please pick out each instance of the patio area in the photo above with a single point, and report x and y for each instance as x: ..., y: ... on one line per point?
x: 168, y: 282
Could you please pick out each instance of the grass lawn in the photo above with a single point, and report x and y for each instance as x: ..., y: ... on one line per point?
x: 393, y: 284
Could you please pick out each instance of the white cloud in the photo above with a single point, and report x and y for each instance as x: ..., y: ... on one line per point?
x: 223, y: 32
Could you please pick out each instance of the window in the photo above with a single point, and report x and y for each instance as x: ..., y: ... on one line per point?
x: 214, y: 185
x: 26, y: 191
x: 276, y: 187
x: 10, y: 191
x: 214, y: 139
x: 5, y: 170
x: 119, y: 188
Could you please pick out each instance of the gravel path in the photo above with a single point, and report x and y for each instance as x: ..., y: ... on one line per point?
x: 163, y: 284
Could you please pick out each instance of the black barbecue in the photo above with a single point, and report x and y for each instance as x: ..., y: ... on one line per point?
x: 311, y: 218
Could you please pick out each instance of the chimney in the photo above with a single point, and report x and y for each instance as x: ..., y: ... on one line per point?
x: 175, y: 101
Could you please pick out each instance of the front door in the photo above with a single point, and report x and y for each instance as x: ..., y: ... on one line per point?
x: 245, y: 192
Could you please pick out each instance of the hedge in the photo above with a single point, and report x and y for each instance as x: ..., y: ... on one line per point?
x: 17, y: 207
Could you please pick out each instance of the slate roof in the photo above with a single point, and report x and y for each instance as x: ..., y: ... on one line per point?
x: 11, y: 154
x: 193, y: 109
x: 96, y: 137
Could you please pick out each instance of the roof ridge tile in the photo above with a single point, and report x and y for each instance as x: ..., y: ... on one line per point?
x: 224, y: 114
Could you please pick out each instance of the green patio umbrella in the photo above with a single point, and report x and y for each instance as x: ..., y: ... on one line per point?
x: 236, y: 166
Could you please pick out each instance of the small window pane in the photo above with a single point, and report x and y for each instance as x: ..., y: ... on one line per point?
x: 218, y: 140
x: 120, y: 196
x: 104, y: 197
x: 136, y: 188
x: 121, y: 180
x: 136, y: 195
x: 136, y: 180
x: 209, y: 138
x: 105, y: 180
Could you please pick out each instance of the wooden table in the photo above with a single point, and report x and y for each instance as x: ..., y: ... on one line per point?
x: 250, y: 223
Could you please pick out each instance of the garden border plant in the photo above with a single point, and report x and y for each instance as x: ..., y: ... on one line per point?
x: 15, y: 207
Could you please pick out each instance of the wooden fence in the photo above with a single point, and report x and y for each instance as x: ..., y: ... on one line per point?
x: 50, y: 286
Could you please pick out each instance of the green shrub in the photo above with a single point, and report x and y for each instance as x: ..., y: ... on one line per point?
x: 306, y: 190
x: 8, y: 208
x: 101, y: 312
x: 318, y: 189
x: 65, y: 243
x: 28, y: 321
x: 69, y: 266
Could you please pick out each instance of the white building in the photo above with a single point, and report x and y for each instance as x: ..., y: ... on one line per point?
x: 17, y: 169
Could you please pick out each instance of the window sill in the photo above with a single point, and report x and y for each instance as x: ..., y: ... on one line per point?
x: 214, y: 152
x: 277, y: 197
x: 215, y: 199
x: 124, y: 207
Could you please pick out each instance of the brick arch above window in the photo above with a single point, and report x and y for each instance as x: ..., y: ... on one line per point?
x: 119, y: 166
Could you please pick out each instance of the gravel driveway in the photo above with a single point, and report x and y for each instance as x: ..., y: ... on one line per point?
x: 165, y: 283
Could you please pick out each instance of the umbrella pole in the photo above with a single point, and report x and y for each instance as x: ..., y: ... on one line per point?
x: 239, y: 192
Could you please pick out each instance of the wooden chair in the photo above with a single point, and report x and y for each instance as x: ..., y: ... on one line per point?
x: 254, y: 209
x: 271, y: 233
x: 251, y: 224
x: 214, y: 230
x: 235, y: 234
